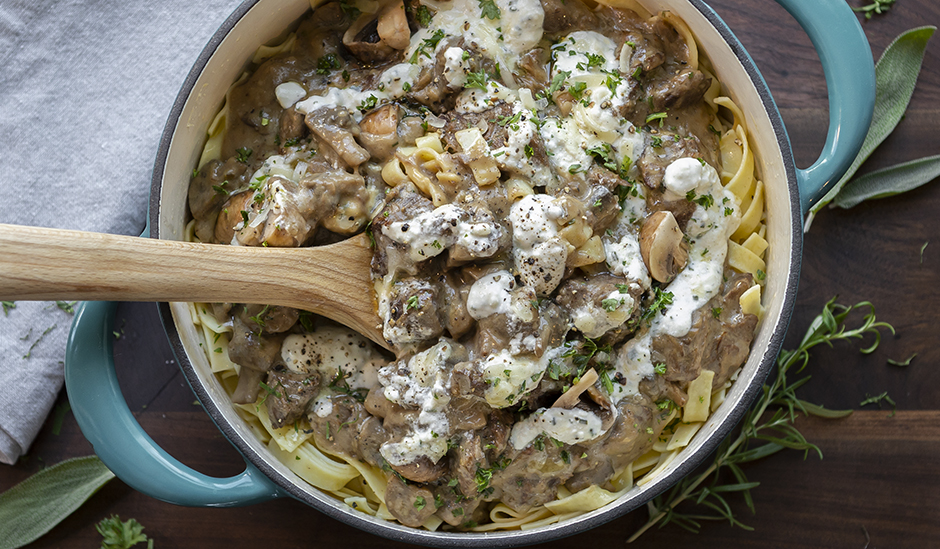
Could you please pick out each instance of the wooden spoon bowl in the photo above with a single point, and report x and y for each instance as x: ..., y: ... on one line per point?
x: 334, y: 281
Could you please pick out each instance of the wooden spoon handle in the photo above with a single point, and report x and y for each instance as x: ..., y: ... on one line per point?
x: 46, y: 264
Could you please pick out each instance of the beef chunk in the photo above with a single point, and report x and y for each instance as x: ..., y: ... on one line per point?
x: 250, y: 349
x: 566, y: 16
x: 681, y: 89
x: 409, y: 503
x: 665, y: 148
x: 413, y: 314
x: 339, y: 427
x: 288, y: 395
x: 719, y: 339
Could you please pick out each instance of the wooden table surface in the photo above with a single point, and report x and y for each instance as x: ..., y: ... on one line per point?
x: 879, y: 482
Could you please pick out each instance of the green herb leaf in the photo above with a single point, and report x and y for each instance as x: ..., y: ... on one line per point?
x: 368, y: 104
x: 889, y: 181
x: 895, y: 76
x: 767, y: 428
x: 490, y: 9
x: 427, y: 45
x: 878, y: 399
x: 119, y: 534
x: 242, y: 154
x: 878, y: 6
x: 902, y: 363
x: 557, y: 82
x: 7, y: 305
x: 423, y: 15
x: 34, y: 506
x: 477, y: 80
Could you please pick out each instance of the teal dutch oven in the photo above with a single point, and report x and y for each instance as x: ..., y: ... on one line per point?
x: 127, y: 450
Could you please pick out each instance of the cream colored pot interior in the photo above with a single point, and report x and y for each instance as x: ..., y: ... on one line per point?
x: 266, y: 21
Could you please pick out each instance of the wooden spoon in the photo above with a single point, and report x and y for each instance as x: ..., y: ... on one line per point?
x: 38, y: 264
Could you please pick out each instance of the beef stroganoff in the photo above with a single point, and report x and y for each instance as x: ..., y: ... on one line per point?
x: 568, y: 241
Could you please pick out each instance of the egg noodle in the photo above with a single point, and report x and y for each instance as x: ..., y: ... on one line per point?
x: 362, y: 486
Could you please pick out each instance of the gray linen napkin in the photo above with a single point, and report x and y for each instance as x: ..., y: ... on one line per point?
x: 85, y: 89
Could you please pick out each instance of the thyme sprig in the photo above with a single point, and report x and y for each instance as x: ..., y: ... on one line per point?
x: 767, y: 428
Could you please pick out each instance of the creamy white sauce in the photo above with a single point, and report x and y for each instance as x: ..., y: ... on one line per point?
x: 572, y: 426
x: 330, y: 350
x: 491, y: 295
x: 352, y: 100
x: 509, y: 377
x: 455, y: 67
x: 425, y: 387
x: 708, y: 231
x: 594, y: 321
x: 538, y: 250
x: 289, y: 93
x: 430, y: 233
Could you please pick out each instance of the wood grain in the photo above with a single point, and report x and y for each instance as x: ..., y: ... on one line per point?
x: 42, y: 264
x: 879, y: 482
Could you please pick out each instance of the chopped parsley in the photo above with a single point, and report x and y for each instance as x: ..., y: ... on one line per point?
x: 604, y: 155
x: 427, y: 46
x: 476, y: 80
x: 511, y: 121
x: 661, y: 116
x: 412, y: 303
x: 706, y: 200
x: 660, y: 368
x: 420, y: 502
x: 490, y: 9
x: 577, y: 90
x: 557, y: 82
x: 610, y: 305
x: 660, y: 300
x: 242, y: 154
x: 368, y: 104
x: 327, y: 63
x: 423, y: 15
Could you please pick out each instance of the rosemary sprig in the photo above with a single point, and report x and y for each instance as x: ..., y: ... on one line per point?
x: 767, y: 428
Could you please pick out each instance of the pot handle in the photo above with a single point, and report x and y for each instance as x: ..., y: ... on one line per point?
x: 850, y: 78
x: 107, y: 422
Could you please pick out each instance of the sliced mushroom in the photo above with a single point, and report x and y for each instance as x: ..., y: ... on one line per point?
x: 375, y: 37
x: 662, y: 246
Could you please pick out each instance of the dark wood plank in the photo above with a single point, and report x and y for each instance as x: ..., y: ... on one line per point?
x: 879, y: 473
x: 888, y: 461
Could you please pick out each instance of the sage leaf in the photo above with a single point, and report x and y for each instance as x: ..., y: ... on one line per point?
x: 34, y: 506
x: 889, y: 181
x: 895, y: 76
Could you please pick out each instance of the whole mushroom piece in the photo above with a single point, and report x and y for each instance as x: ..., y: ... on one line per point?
x: 375, y: 37
x: 662, y: 246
